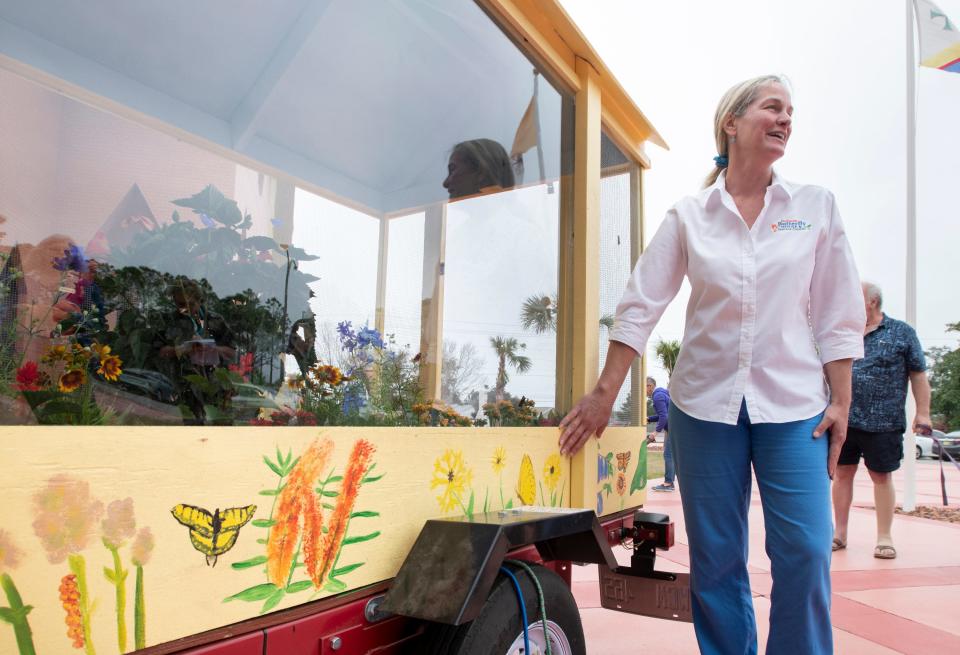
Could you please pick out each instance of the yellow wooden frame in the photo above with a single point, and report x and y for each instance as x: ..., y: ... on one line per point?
x: 546, y: 34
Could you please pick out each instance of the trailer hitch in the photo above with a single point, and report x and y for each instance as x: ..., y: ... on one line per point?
x: 640, y: 588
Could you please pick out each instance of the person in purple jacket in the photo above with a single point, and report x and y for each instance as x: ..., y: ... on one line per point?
x: 661, y: 405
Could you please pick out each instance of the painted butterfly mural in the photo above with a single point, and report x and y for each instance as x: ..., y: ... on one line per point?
x: 213, y: 533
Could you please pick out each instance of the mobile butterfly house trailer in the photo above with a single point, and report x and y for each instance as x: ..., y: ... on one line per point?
x: 292, y: 296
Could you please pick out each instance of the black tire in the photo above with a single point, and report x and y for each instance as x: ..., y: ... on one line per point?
x: 919, y: 452
x: 498, y: 624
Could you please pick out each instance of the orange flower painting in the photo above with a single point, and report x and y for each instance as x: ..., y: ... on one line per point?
x: 337, y: 530
x: 296, y: 496
x: 298, y: 534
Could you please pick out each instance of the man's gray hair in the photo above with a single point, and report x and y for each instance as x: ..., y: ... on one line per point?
x: 650, y: 380
x: 872, y: 291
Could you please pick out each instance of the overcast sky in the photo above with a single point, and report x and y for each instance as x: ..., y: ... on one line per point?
x: 846, y: 60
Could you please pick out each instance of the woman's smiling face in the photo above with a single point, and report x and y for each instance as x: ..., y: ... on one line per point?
x: 765, y: 127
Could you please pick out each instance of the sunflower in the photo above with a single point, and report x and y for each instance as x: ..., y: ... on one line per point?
x: 499, y: 459
x: 72, y: 380
x: 100, y: 351
x: 110, y: 367
x: 551, y: 471
x: 621, y: 483
x: 452, y: 476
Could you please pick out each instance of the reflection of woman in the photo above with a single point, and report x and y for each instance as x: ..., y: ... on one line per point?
x: 775, y: 310
x: 478, y: 166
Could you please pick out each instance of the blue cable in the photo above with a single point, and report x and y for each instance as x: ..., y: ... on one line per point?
x: 523, y: 607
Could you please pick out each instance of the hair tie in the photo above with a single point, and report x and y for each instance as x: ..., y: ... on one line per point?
x: 721, y: 161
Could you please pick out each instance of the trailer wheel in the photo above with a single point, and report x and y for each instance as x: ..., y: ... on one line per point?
x: 498, y: 630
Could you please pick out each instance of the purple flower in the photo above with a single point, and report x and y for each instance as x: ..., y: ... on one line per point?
x: 72, y: 260
x: 369, y: 337
x: 206, y: 220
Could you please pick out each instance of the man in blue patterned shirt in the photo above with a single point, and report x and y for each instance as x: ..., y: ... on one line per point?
x: 892, y: 356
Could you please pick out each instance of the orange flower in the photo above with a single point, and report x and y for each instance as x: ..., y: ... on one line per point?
x: 312, y: 536
x: 70, y: 599
x: 337, y: 529
x: 282, y: 540
x: 110, y: 367
x: 621, y: 483
x: 327, y: 374
x: 55, y: 354
x: 100, y: 351
x: 72, y: 380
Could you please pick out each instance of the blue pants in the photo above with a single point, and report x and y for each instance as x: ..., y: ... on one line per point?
x: 713, y: 463
x: 668, y: 469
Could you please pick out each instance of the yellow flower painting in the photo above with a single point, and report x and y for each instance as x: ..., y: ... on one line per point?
x: 452, y: 477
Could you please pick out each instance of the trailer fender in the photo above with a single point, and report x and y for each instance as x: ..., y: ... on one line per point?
x: 452, y: 566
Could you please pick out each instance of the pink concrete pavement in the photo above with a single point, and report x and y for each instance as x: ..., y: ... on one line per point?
x: 908, y: 605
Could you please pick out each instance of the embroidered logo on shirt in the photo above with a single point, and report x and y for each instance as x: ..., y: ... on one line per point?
x: 790, y: 225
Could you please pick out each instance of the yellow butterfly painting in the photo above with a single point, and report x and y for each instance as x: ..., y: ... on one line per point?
x: 215, y: 533
x: 527, y: 482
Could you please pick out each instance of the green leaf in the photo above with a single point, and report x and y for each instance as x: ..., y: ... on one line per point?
x: 366, y: 514
x: 509, y: 504
x: 640, y: 475
x: 273, y: 601
x: 8, y: 615
x: 299, y: 586
x: 343, y: 570
x: 272, y: 492
x: 261, y: 541
x: 332, y: 479
x: 258, y: 592
x: 247, y: 563
x: 371, y: 478
x: 470, y: 505
x: 290, y: 465
x: 273, y: 467
x: 328, y: 494
x: 335, y: 586
x: 109, y: 575
x: 328, y: 506
x: 486, y: 497
x: 301, y: 255
x: 263, y: 523
x: 361, y: 538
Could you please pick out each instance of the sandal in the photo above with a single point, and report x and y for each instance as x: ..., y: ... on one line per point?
x: 838, y: 545
x: 885, y: 551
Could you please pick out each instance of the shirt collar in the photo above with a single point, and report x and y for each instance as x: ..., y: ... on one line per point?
x: 718, y: 189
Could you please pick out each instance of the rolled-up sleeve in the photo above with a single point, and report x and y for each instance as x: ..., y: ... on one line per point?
x: 654, y: 282
x: 837, y: 313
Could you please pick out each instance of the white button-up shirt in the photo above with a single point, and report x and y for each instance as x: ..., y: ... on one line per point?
x: 768, y: 305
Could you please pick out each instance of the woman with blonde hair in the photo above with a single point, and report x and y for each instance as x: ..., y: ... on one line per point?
x: 763, y: 379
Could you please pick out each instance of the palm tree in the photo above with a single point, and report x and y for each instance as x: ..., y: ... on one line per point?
x: 667, y: 353
x: 539, y: 313
x: 508, y: 351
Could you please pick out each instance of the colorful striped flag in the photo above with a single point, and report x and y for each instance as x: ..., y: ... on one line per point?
x: 939, y: 38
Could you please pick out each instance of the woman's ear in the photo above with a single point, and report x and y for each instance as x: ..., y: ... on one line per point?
x: 729, y: 126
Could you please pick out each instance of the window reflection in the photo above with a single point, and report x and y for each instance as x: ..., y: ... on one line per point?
x: 146, y: 280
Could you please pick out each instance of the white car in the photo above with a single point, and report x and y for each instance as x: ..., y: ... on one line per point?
x: 925, y: 446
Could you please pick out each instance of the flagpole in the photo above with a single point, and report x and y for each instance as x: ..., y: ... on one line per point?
x: 910, y: 463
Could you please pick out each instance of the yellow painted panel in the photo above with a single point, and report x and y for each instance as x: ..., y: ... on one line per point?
x: 614, y: 471
x: 66, y: 489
